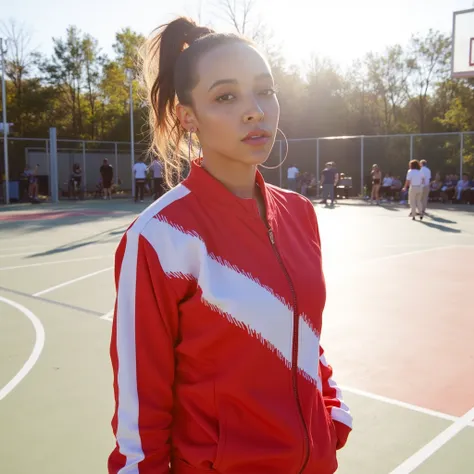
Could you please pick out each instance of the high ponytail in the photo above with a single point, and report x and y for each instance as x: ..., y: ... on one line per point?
x: 169, y: 74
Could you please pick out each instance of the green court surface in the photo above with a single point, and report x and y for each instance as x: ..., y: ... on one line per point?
x: 397, y: 329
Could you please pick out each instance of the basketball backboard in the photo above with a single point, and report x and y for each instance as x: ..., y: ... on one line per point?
x: 463, y: 44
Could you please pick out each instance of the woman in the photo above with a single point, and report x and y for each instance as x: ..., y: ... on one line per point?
x: 76, y: 179
x: 414, y: 183
x: 376, y: 174
x: 215, y: 344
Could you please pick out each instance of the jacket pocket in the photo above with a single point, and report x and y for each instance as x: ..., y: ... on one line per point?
x: 222, y: 439
x: 180, y: 466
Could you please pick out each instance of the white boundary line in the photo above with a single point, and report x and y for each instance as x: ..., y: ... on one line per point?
x: 108, y: 316
x: 417, y: 459
x: 392, y: 401
x: 408, y: 406
x: 35, y: 353
x: 56, y: 262
x: 70, y: 282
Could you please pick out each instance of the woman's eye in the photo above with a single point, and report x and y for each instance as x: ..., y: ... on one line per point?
x: 225, y: 98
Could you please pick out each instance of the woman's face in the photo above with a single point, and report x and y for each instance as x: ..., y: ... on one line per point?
x: 235, y: 109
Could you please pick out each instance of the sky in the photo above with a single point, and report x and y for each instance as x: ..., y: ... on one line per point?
x: 341, y: 30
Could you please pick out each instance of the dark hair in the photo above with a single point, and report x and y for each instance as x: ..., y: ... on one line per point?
x: 170, y: 58
x: 414, y: 165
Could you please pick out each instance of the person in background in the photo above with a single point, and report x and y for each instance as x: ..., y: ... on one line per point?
x: 76, y: 180
x: 376, y: 174
x: 414, y: 183
x: 305, y: 182
x: 26, y: 179
x: 426, y: 172
x: 220, y: 291
x: 448, y: 190
x: 435, y: 187
x: 107, y: 175
x: 157, y: 170
x: 462, y: 188
x: 329, y: 180
x: 292, y: 174
x: 139, y: 174
x: 386, y: 188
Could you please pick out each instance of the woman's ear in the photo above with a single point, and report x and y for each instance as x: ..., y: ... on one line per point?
x: 187, y: 118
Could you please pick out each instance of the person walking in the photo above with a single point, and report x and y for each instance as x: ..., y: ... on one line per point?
x: 292, y: 174
x: 157, y: 170
x: 139, y: 174
x: 329, y: 180
x: 107, y: 175
x: 415, y: 182
x: 426, y: 172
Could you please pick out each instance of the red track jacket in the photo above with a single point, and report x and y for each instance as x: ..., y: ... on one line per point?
x: 215, y: 344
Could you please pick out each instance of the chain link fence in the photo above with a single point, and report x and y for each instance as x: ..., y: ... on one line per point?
x: 446, y: 153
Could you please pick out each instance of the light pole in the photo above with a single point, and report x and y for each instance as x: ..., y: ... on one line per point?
x: 5, y: 124
x: 129, y: 74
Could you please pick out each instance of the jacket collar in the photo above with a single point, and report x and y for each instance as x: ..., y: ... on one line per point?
x: 208, y: 188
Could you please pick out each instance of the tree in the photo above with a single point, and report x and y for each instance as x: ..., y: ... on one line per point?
x: 239, y: 14
x: 126, y: 47
x: 387, y: 76
x: 20, y: 60
x: 92, y: 63
x: 65, y: 71
x: 428, y: 62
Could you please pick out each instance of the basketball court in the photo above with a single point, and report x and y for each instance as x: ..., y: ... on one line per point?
x: 397, y: 328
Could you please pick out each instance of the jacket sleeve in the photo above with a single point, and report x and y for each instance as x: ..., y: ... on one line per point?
x: 144, y: 330
x: 334, y: 403
x: 332, y: 396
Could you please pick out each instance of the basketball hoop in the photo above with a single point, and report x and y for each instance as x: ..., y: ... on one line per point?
x: 463, y: 44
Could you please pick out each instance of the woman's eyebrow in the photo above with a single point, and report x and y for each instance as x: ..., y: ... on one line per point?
x: 264, y: 75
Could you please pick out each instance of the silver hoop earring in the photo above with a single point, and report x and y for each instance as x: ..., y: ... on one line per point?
x: 190, y: 145
x: 284, y: 159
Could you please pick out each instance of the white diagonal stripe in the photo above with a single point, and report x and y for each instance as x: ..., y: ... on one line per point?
x: 235, y: 294
x: 128, y: 435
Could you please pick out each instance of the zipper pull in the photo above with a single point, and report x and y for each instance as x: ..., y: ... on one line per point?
x: 270, y: 235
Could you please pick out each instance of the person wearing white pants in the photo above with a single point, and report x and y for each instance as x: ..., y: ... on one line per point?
x: 426, y: 172
x: 415, y: 181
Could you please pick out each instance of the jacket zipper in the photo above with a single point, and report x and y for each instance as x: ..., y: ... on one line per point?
x: 294, y: 362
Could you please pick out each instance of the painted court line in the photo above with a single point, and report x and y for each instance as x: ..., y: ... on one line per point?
x: 70, y: 282
x: 108, y: 316
x: 410, y: 464
x: 56, y: 262
x: 398, y: 403
x: 36, y: 352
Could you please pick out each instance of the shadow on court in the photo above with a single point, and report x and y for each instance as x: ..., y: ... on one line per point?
x: 441, y: 227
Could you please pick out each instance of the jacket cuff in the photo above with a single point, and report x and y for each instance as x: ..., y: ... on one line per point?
x: 342, y: 433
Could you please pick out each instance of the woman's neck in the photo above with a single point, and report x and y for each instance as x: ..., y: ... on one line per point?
x: 238, y: 178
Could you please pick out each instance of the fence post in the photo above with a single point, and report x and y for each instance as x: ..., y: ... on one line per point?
x: 317, y: 168
x: 84, y: 172
x: 281, y: 164
x: 48, y: 164
x: 461, y: 155
x: 362, y: 166
x: 116, y: 163
x: 411, y: 147
x: 53, y: 154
